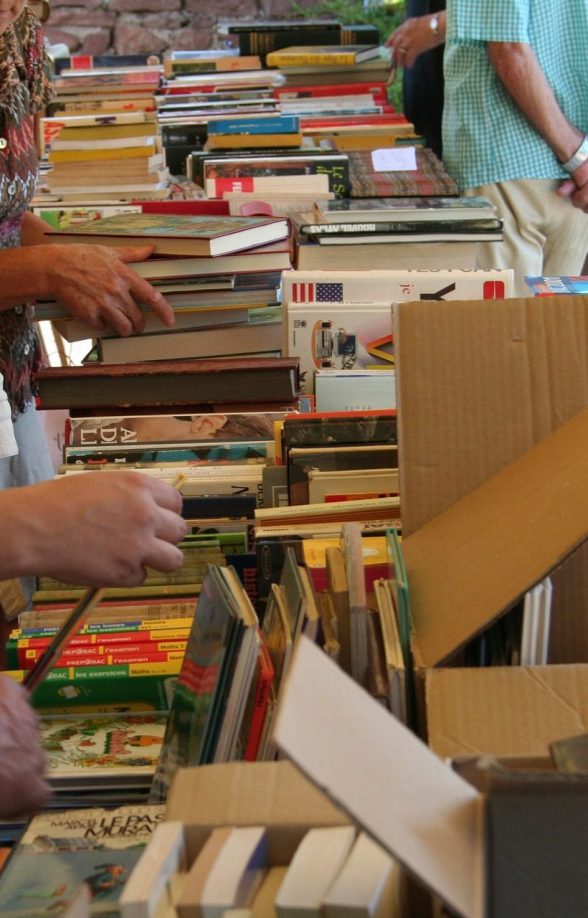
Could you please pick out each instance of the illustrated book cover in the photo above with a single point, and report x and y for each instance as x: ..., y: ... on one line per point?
x: 177, y: 234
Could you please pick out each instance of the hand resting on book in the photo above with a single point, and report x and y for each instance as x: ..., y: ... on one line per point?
x: 22, y: 762
x: 91, y: 529
x: 92, y: 282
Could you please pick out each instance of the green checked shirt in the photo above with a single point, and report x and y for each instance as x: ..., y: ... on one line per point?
x: 486, y: 139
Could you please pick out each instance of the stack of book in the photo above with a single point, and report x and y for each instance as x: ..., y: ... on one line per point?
x: 97, y: 156
x: 226, y: 319
x: 106, y: 89
x: 273, y: 34
x: 315, y: 63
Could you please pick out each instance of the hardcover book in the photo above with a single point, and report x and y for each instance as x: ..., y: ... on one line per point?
x: 305, y: 55
x: 189, y: 382
x: 180, y: 235
x: 419, y: 209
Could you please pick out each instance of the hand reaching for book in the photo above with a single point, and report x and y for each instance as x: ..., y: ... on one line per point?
x: 92, y: 529
x: 22, y: 763
x: 95, y: 283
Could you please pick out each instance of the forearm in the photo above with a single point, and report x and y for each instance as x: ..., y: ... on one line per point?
x: 24, y: 274
x: 34, y: 231
x: 517, y: 68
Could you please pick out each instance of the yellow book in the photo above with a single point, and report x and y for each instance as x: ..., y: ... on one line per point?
x: 310, y: 55
x: 108, y: 131
x: 70, y: 156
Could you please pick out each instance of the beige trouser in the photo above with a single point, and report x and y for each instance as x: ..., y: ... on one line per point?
x: 543, y: 233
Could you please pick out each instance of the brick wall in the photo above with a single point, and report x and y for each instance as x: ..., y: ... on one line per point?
x: 134, y: 26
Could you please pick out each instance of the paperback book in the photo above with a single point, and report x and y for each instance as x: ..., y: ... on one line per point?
x: 60, y: 852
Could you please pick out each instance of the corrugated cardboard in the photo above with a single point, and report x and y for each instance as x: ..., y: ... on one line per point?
x: 478, y: 384
x: 273, y: 794
x: 517, y: 850
x: 504, y: 711
x: 470, y: 563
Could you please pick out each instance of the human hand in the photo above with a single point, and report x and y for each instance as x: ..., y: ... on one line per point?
x: 576, y: 188
x: 22, y: 762
x: 95, y: 283
x: 95, y: 528
x: 413, y: 37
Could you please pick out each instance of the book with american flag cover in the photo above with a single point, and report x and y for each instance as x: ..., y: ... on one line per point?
x: 355, y: 287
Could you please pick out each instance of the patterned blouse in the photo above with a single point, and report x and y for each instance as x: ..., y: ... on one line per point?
x: 25, y: 89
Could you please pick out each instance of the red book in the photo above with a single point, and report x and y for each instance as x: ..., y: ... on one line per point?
x: 28, y: 658
x: 263, y: 684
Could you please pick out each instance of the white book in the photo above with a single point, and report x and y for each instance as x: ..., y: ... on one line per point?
x: 367, y: 885
x: 536, y: 622
x: 354, y: 390
x: 231, y: 341
x: 348, y: 286
x: 236, y: 873
x: 147, y: 885
x: 316, y: 863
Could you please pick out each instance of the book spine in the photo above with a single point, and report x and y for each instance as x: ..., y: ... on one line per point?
x: 378, y: 90
x: 261, y: 700
x: 141, y: 686
x: 310, y: 59
x: 89, y: 656
x: 282, y: 125
x: 111, y: 631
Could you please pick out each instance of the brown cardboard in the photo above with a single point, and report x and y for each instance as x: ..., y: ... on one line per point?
x: 504, y: 711
x: 518, y: 849
x: 273, y: 794
x: 473, y: 561
x: 478, y: 384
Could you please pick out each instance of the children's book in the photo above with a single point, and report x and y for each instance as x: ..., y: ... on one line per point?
x: 61, y: 851
x: 102, y: 747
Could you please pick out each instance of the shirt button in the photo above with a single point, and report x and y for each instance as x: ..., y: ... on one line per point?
x: 26, y: 349
x: 12, y: 188
x: 3, y: 143
x: 19, y: 310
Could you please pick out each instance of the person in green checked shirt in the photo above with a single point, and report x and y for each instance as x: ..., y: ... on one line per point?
x: 515, y: 126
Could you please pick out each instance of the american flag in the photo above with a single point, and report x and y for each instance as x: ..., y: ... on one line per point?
x: 317, y: 293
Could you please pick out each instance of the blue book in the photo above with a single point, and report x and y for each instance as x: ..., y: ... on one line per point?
x: 281, y: 124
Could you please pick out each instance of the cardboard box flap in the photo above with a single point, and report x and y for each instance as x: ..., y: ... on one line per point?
x: 472, y: 562
x: 477, y: 385
x: 386, y: 779
x: 471, y: 711
x: 248, y: 794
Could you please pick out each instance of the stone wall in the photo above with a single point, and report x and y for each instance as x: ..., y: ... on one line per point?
x: 136, y: 26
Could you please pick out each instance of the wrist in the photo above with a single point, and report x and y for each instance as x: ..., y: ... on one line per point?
x: 578, y: 158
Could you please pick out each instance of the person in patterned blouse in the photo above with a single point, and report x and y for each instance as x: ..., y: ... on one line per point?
x: 92, y: 282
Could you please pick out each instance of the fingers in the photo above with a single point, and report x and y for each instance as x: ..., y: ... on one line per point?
x: 142, y: 290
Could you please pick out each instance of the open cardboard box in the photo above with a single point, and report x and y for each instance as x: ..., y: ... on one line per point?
x: 469, y: 565
x: 516, y: 849
x: 272, y: 794
x: 494, y: 497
